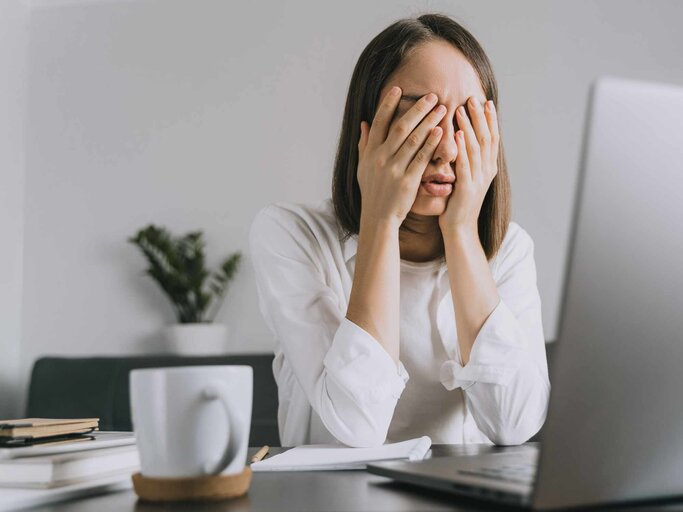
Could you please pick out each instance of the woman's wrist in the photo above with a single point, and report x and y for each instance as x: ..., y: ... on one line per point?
x: 460, y: 232
x: 378, y: 226
x: 373, y: 302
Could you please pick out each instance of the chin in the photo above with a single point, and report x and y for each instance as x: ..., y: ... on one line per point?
x: 429, y: 205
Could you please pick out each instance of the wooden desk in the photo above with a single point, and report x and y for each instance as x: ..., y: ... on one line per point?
x: 338, y: 491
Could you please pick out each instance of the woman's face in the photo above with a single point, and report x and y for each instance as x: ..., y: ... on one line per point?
x: 438, y: 67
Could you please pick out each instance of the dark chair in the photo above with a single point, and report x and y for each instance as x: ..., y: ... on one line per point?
x: 69, y: 387
x: 549, y: 353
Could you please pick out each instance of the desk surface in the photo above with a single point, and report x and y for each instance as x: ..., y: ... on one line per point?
x: 338, y: 491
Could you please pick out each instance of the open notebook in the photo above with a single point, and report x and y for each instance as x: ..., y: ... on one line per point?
x: 332, y: 457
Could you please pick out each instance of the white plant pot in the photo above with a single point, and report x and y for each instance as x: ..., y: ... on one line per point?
x: 197, y: 339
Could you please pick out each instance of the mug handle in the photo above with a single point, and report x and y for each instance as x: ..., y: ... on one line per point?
x: 236, y: 432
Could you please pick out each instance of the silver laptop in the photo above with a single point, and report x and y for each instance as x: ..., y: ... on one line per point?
x: 614, y: 430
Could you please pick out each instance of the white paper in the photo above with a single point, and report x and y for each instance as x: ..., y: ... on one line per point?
x: 333, y: 457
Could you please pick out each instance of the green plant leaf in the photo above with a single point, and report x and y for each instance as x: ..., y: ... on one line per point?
x: 220, y: 280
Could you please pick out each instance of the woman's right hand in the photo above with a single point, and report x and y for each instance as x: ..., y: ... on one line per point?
x: 392, y: 158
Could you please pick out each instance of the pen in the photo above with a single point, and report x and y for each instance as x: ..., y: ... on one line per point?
x: 260, y: 454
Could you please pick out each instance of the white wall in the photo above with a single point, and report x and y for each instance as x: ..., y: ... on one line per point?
x: 14, y: 19
x: 194, y: 114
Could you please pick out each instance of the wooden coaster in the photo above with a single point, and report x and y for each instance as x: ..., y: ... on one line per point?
x: 204, y: 488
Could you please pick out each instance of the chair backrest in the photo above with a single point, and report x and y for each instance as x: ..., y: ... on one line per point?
x: 69, y: 387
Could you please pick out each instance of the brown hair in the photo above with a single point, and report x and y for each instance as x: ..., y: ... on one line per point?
x: 380, y: 58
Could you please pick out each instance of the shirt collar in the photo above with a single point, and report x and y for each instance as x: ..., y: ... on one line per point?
x: 350, y: 247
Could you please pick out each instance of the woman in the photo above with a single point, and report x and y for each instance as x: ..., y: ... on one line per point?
x: 362, y: 291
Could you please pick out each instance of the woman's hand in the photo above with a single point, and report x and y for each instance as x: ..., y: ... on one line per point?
x: 392, y: 158
x: 475, y: 166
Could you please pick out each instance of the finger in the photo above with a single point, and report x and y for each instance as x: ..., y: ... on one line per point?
x: 415, y: 140
x: 382, y: 119
x: 481, y: 127
x: 492, y: 120
x: 400, y: 130
x: 462, y: 162
x: 425, y: 154
x: 473, y: 150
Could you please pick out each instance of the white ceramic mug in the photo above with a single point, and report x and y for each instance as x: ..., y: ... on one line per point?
x: 191, y: 420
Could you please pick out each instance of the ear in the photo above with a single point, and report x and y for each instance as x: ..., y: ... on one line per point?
x: 363, y: 141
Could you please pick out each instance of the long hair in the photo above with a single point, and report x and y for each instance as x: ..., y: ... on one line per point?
x: 377, y: 62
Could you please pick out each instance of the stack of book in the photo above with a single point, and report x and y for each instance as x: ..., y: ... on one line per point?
x: 45, y: 460
x: 42, y: 430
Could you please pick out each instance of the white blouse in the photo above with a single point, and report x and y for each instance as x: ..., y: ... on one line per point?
x: 337, y: 384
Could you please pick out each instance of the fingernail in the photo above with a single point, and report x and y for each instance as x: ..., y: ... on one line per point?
x: 489, y: 106
x: 431, y: 97
x: 440, y: 109
x: 461, y: 109
x: 394, y: 91
x: 474, y: 103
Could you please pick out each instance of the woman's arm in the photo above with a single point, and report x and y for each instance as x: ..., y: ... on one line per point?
x: 348, y: 379
x: 392, y: 159
x: 374, y: 300
x: 502, y: 370
x: 505, y: 379
x: 473, y: 288
x: 472, y: 285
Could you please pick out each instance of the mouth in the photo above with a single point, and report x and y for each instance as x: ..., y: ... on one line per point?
x: 438, y: 182
x: 437, y: 188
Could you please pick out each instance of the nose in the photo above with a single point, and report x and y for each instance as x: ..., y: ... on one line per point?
x: 447, y: 149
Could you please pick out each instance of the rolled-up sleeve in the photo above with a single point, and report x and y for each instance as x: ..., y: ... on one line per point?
x: 505, y: 382
x: 350, y: 380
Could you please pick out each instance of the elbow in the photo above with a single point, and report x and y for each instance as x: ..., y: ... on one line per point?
x: 512, y: 436
x: 515, y: 427
x: 524, y: 417
x: 520, y: 431
x: 357, y: 408
x: 363, y: 425
x: 358, y: 431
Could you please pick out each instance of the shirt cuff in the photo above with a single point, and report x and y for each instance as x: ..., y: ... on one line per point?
x: 358, y: 363
x: 497, y: 353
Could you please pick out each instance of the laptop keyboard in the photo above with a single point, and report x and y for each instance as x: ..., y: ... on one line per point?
x: 513, y: 473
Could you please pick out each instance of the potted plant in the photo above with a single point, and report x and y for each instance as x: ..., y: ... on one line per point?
x: 177, y: 264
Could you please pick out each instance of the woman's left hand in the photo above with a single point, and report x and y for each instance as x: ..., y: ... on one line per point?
x: 475, y: 166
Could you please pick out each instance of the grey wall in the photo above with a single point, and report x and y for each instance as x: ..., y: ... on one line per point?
x: 194, y: 114
x: 14, y: 21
